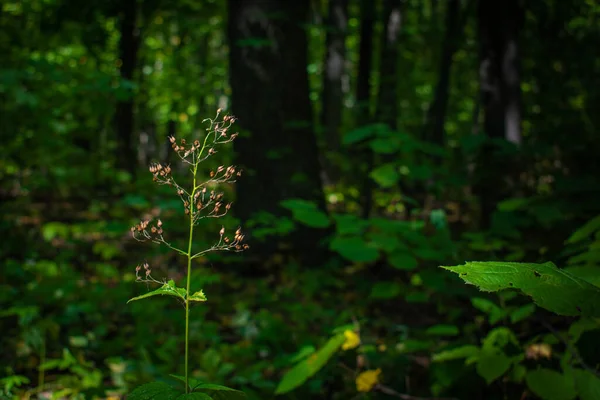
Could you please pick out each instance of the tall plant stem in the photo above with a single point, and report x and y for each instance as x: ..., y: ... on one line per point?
x: 188, y: 280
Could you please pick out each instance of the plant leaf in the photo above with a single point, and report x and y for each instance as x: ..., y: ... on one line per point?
x: 456, y: 353
x: 218, y: 392
x: 549, y: 287
x: 194, y: 396
x: 198, y: 296
x: 585, y: 231
x: 588, y: 384
x: 491, y: 366
x: 403, y: 261
x: 192, y: 381
x: 154, y: 390
x: 307, y: 212
x: 309, y: 366
x: 442, y: 330
x: 550, y: 385
x: 354, y: 249
x: 168, y: 289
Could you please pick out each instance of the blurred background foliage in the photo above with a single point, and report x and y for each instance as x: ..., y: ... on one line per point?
x: 380, y: 139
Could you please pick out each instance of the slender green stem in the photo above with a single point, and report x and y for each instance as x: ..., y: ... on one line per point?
x: 188, y: 281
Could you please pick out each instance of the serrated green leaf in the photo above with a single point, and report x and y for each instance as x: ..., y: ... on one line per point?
x: 549, y: 287
x: 491, y: 366
x: 456, y: 353
x: 354, y: 249
x: 168, y: 289
x: 309, y: 366
x: 198, y: 296
x: 154, y: 390
x: 550, y: 385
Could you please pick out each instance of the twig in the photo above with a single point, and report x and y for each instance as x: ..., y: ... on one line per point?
x: 570, y: 347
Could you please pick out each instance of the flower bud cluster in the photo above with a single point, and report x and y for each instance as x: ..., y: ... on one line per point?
x: 147, y: 272
x: 145, y: 230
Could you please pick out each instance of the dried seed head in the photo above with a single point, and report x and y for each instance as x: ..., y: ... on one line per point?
x: 159, y: 223
x: 172, y: 139
x: 222, y: 231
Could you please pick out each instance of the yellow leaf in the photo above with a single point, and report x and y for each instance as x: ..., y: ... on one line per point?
x: 366, y: 380
x: 352, y: 340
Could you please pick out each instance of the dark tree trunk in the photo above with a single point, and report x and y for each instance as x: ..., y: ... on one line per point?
x: 437, y: 111
x: 335, y: 59
x: 128, y: 49
x: 363, y: 96
x: 387, y: 102
x: 499, y: 25
x: 270, y: 97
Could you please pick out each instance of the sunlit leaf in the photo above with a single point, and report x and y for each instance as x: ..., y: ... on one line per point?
x: 168, y: 289
x: 549, y: 287
x: 309, y: 366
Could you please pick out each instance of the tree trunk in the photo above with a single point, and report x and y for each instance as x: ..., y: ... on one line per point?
x: 499, y: 25
x: 335, y: 58
x: 437, y: 111
x: 128, y: 49
x: 387, y: 102
x: 363, y: 97
x: 277, y: 147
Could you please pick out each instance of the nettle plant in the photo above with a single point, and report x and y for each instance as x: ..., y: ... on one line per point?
x: 200, y: 200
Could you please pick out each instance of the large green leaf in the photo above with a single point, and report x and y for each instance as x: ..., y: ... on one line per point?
x: 588, y: 384
x: 549, y: 287
x: 309, y: 366
x: 154, y: 390
x: 550, y: 385
x: 492, y: 365
x: 168, y: 289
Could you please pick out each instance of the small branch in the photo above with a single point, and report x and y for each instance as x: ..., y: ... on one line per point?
x: 571, y: 349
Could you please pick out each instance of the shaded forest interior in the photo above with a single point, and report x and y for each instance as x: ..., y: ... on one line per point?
x: 378, y: 140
